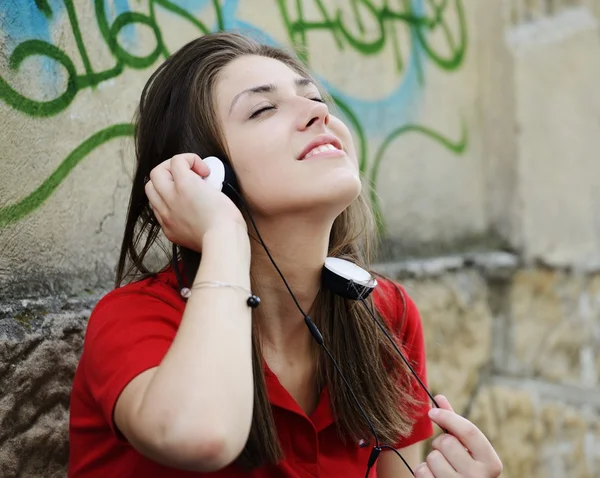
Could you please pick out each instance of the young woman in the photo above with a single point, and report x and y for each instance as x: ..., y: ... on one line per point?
x: 205, y: 383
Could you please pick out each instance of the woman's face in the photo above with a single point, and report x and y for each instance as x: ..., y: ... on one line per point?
x: 290, y: 154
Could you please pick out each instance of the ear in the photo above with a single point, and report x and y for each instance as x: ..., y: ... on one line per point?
x: 222, y: 176
x: 230, y: 181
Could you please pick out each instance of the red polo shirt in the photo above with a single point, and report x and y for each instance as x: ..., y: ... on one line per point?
x: 130, y: 331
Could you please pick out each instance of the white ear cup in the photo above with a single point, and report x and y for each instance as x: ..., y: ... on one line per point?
x: 350, y: 271
x: 346, y: 279
x: 217, y: 172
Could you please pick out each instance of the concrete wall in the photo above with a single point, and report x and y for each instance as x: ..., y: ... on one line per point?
x: 478, y: 130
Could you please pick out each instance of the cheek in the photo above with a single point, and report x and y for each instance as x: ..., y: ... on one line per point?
x: 258, y: 159
x: 249, y: 149
x: 254, y: 151
x: 341, y: 131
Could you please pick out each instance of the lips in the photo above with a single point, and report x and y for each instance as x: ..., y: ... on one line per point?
x: 322, y: 142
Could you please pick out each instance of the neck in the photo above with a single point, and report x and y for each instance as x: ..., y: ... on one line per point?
x: 299, y: 248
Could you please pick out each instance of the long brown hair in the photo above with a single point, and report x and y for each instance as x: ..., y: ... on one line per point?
x: 175, y: 115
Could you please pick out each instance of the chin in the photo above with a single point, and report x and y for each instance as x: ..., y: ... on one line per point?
x: 336, y: 196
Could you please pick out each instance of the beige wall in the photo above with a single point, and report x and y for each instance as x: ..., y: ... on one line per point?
x: 481, y: 132
x: 494, y: 125
x: 518, y: 352
x: 428, y: 193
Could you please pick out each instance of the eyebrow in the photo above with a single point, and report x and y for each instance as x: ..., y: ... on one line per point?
x: 269, y: 88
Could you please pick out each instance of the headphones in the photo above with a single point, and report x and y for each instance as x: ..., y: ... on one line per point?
x: 221, y: 174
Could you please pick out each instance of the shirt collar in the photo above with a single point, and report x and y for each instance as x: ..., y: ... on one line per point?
x: 321, y: 417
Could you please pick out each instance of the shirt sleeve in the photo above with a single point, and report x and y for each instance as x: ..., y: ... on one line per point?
x: 128, y: 333
x: 413, y: 345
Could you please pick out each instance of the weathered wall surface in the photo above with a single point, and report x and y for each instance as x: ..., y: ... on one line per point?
x: 477, y: 124
x: 517, y: 350
x: 557, y: 68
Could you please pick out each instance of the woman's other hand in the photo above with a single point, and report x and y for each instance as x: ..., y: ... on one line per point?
x: 463, y: 452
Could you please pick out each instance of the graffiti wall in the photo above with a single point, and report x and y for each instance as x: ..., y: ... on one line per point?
x: 71, y: 75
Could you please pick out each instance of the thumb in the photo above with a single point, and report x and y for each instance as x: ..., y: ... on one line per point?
x: 443, y: 402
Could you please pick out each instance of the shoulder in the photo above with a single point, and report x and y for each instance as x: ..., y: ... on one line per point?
x: 154, y: 296
x: 402, y: 316
x: 129, y: 331
x: 395, y: 305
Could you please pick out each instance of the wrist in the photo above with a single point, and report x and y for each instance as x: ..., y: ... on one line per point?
x: 227, y: 237
x: 225, y: 256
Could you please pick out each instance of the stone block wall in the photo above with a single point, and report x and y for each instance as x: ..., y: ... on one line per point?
x: 41, y: 343
x: 516, y: 350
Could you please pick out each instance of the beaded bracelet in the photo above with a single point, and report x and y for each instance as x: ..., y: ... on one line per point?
x: 253, y: 300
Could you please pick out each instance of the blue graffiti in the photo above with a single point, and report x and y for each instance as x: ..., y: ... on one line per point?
x: 378, y: 116
x: 24, y: 20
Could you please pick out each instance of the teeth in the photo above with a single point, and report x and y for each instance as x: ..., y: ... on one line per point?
x: 321, y: 149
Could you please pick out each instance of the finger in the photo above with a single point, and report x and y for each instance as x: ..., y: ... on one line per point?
x: 439, y: 465
x: 443, y: 402
x: 156, y: 202
x: 196, y: 163
x: 467, y: 433
x: 454, y: 452
x: 162, y: 180
x: 180, y: 168
x: 159, y: 218
x: 167, y: 163
x: 189, y: 157
x: 423, y: 471
x: 181, y: 164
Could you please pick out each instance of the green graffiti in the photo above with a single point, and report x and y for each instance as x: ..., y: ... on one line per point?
x: 44, y: 7
x: 18, y: 211
x: 346, y: 27
x: 457, y: 52
x: 91, y: 78
x: 33, y: 107
x: 382, y: 15
x: 333, y: 21
x: 456, y: 147
x: 77, y: 34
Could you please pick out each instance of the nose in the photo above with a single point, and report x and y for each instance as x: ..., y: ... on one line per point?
x: 315, y: 113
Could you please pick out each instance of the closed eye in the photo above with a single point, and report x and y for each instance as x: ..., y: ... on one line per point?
x: 260, y: 111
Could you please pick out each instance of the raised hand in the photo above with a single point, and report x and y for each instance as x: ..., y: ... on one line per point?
x: 186, y: 206
x: 463, y: 452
